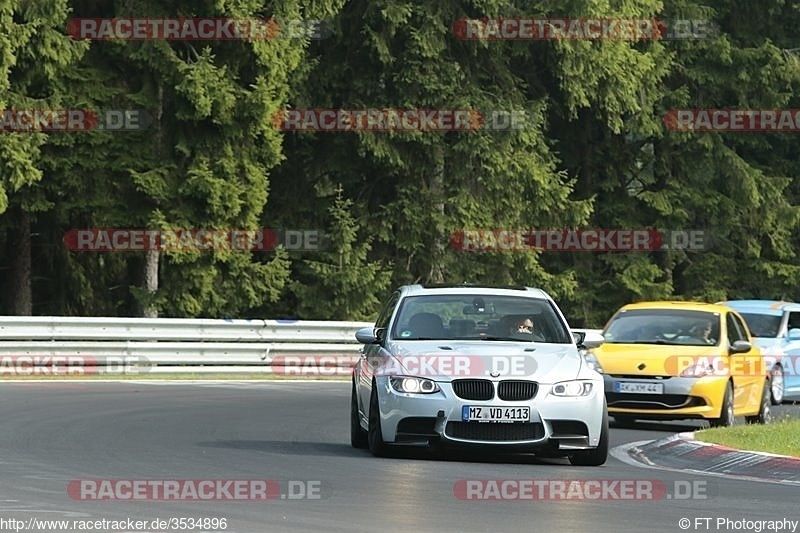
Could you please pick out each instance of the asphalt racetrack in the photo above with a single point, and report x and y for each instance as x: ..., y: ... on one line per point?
x: 296, y: 435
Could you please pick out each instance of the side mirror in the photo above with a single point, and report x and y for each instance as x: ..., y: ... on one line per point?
x: 794, y: 334
x: 740, y: 347
x: 588, y: 338
x: 367, y: 336
x: 593, y: 339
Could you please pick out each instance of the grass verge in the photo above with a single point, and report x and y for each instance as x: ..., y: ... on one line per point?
x: 779, y: 437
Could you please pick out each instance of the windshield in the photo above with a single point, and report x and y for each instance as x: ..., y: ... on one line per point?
x: 664, y: 326
x: 762, y: 325
x: 479, y: 317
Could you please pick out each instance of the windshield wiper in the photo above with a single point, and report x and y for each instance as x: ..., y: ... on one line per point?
x: 498, y: 338
x: 655, y: 341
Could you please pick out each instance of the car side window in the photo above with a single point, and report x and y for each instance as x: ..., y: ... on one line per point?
x: 742, y: 328
x: 734, y: 334
x: 794, y: 321
x: 386, y: 314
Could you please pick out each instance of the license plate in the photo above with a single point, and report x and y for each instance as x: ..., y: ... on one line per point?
x: 641, y: 388
x: 486, y: 413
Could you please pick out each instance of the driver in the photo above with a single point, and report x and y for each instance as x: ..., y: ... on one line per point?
x: 525, y: 327
x: 702, y: 331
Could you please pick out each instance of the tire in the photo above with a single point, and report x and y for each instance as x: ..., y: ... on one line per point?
x: 776, y: 387
x: 375, y: 436
x: 358, y: 437
x: 764, y: 415
x: 596, y: 456
x: 726, y: 417
x: 624, y: 421
x: 550, y: 451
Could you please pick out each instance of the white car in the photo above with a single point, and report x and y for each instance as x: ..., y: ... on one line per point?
x: 496, y: 368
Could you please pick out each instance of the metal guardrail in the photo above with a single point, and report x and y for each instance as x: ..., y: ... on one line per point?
x: 183, y: 329
x: 171, y: 345
x: 165, y: 345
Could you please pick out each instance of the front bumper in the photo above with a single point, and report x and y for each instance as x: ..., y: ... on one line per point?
x: 556, y: 423
x: 683, y: 398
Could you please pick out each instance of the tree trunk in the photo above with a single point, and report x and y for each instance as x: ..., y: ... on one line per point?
x: 152, y: 256
x: 437, y: 190
x: 19, y: 290
x: 151, y: 281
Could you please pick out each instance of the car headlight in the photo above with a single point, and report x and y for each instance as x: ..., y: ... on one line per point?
x: 593, y: 363
x: 413, y: 385
x: 698, y: 370
x: 572, y: 388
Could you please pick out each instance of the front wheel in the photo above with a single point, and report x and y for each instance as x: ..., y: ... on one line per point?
x: 764, y: 414
x: 596, y: 456
x: 375, y: 436
x: 624, y: 421
x: 358, y: 437
x: 726, y: 417
x: 776, y: 391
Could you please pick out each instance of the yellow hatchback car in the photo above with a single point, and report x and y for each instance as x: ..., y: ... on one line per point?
x: 682, y: 360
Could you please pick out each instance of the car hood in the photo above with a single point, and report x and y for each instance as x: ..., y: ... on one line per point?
x: 658, y: 359
x: 447, y: 360
x: 769, y: 345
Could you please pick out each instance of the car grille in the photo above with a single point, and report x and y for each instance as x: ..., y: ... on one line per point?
x: 652, y: 401
x: 638, y: 376
x: 474, y: 389
x: 495, y: 432
x: 516, y: 391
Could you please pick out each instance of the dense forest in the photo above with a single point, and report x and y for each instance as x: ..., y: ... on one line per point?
x: 595, y: 152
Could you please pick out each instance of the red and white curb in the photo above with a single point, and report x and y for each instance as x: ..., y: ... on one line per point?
x: 682, y: 452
